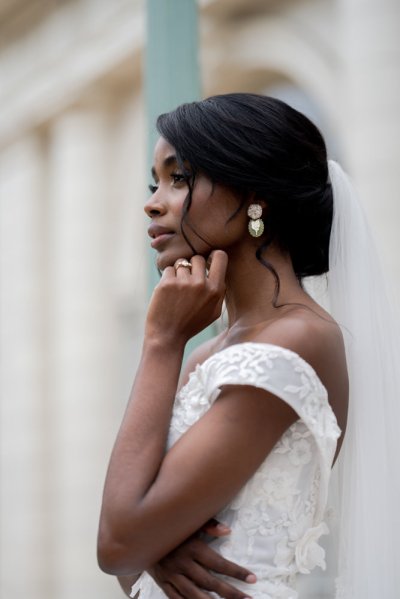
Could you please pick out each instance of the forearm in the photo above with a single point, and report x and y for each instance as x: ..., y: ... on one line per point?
x: 140, y: 445
x: 146, y: 509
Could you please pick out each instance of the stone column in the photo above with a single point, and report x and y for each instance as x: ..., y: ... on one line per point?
x: 371, y: 126
x: 131, y: 241
x: 83, y: 337
x: 22, y: 359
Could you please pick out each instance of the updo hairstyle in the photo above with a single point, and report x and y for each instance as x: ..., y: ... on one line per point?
x: 257, y: 144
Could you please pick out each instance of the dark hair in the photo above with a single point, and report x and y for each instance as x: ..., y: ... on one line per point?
x: 258, y: 144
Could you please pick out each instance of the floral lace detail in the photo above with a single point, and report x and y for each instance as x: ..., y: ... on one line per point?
x: 276, y: 518
x: 255, y: 364
x: 304, y: 551
x: 297, y: 445
x: 193, y: 400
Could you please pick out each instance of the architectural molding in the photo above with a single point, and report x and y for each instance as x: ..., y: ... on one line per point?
x: 50, y: 68
x: 265, y: 47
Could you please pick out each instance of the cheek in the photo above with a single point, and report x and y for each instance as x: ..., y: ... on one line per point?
x: 210, y: 215
x: 216, y: 230
x: 176, y: 204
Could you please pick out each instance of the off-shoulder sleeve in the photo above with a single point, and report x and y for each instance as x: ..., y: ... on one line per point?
x: 286, y: 375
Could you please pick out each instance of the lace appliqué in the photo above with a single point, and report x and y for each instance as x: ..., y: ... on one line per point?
x: 278, y: 513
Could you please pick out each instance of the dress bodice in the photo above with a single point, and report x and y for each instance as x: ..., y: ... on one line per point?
x: 277, y: 517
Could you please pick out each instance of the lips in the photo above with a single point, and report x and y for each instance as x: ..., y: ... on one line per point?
x: 159, y: 234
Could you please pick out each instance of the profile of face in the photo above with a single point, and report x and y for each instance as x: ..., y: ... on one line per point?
x: 206, y: 225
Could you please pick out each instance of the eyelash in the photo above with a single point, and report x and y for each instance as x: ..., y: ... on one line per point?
x: 176, y: 178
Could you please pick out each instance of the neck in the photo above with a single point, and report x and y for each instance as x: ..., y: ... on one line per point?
x: 251, y: 286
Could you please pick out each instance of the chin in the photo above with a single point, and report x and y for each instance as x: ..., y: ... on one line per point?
x: 165, y: 259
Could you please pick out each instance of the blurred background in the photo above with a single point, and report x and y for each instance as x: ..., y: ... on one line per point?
x: 79, y: 82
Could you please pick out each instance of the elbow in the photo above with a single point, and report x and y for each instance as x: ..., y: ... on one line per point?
x: 110, y: 557
x: 108, y: 561
x: 119, y: 556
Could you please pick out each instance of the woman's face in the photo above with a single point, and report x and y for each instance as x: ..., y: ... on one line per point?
x: 205, y: 224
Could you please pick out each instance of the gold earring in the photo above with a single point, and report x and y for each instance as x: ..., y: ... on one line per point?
x: 256, y: 225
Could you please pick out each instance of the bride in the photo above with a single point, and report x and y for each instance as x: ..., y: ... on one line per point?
x: 242, y: 210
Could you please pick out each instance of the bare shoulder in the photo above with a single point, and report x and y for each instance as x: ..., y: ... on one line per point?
x: 309, y: 334
x: 319, y: 341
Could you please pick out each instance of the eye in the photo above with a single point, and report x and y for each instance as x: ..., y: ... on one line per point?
x: 177, y: 178
x: 153, y: 188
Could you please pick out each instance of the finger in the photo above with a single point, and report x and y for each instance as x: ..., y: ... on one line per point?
x: 167, y: 273
x: 198, y: 268
x: 213, y: 561
x: 218, y: 264
x: 187, y: 588
x: 171, y: 591
x: 183, y: 268
x: 215, y: 528
x: 206, y: 580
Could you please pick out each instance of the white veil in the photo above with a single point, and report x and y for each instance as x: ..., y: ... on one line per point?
x: 367, y: 473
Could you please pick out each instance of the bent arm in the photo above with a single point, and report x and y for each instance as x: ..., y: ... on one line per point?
x: 154, y: 501
x: 137, y: 455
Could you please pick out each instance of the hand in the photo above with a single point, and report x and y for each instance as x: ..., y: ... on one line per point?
x: 186, y: 301
x: 187, y: 571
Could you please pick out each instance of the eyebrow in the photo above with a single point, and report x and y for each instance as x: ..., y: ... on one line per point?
x: 166, y: 163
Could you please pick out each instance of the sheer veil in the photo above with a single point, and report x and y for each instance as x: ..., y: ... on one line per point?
x: 367, y: 474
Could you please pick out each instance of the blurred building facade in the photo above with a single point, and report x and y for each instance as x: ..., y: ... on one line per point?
x: 73, y: 249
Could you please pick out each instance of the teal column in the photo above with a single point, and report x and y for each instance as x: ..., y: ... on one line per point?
x: 172, y: 69
x: 172, y: 77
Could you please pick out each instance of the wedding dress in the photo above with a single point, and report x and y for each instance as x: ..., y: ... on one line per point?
x: 277, y: 518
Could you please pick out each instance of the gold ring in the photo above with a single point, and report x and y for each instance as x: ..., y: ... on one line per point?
x: 182, y: 262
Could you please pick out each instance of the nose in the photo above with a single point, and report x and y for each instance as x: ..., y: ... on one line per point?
x: 154, y: 206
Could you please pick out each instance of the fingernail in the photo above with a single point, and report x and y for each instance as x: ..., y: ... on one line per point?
x: 223, y: 528
x: 251, y: 578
